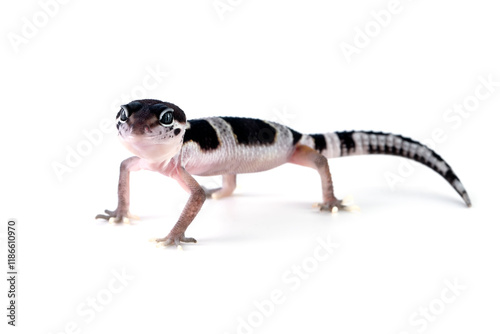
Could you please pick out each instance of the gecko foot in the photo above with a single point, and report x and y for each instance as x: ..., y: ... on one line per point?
x: 117, y: 216
x: 217, y: 193
x: 210, y: 192
x: 174, y: 239
x: 345, y: 205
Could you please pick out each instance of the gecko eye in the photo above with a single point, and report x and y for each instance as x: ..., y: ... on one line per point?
x: 167, y: 117
x: 123, y: 115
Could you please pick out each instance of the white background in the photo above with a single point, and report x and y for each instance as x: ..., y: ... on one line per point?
x: 278, y: 60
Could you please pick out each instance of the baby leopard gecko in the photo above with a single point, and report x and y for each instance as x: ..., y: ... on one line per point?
x: 162, y: 140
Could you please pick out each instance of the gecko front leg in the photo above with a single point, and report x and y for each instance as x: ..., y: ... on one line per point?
x: 122, y: 214
x: 193, y: 206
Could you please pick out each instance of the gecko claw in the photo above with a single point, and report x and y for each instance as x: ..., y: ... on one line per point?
x: 339, y: 205
x: 117, y: 216
x: 174, y: 239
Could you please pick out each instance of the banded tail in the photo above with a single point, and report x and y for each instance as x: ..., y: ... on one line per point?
x: 347, y: 143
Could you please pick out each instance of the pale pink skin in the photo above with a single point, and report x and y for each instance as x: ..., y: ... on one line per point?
x: 156, y: 151
x: 160, y: 153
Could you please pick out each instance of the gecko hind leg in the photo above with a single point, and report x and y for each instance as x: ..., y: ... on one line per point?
x: 228, y: 186
x: 307, y: 157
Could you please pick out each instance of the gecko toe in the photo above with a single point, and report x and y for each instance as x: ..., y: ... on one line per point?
x: 192, y: 240
x: 174, y: 240
x: 117, y: 216
x: 161, y: 240
x: 338, y: 205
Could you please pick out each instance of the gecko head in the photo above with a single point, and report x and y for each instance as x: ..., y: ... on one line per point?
x: 151, y: 129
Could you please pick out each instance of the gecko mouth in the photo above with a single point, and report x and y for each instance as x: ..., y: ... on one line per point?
x: 153, y: 139
x: 149, y: 135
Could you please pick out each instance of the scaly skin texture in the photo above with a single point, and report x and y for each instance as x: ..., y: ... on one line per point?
x: 307, y: 157
x: 193, y: 206
x: 163, y: 141
x: 121, y: 213
x: 185, y: 180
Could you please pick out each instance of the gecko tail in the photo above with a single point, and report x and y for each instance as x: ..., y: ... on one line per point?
x: 349, y: 143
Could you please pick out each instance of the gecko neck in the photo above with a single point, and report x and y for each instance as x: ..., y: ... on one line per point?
x: 165, y: 167
x: 154, y: 156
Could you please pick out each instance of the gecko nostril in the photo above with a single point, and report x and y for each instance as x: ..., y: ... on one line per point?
x: 140, y: 129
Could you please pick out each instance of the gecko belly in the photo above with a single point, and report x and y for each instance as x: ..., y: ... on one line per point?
x: 250, y: 159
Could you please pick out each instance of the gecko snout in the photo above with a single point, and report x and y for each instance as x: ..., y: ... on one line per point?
x: 140, y: 129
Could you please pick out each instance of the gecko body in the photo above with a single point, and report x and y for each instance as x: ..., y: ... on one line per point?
x: 162, y: 140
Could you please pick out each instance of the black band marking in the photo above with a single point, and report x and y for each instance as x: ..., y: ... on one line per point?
x: 427, y: 156
x: 296, y: 136
x: 449, y: 175
x: 202, y: 133
x: 319, y: 142
x: 250, y: 131
x: 347, y: 144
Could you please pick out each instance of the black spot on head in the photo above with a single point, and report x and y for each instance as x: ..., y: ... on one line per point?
x: 202, y: 133
x: 319, y: 142
x: 177, y: 131
x: 250, y: 131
